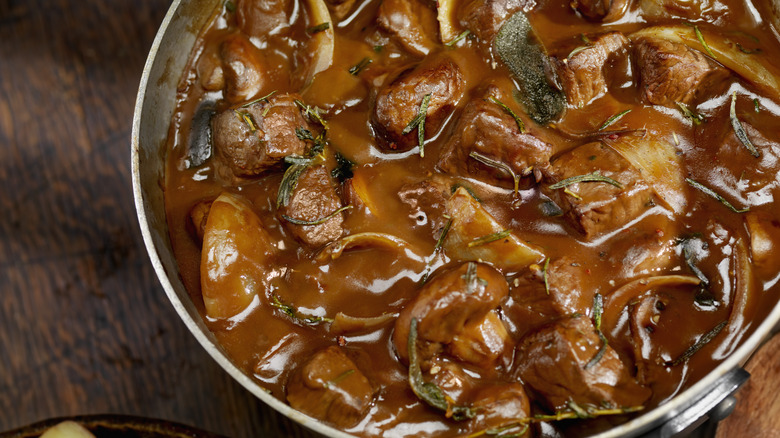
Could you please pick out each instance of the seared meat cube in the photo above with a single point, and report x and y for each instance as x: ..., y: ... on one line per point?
x: 446, y: 304
x: 254, y: 138
x: 427, y: 201
x: 313, y: 199
x: 398, y: 103
x: 486, y: 128
x: 260, y: 19
x: 597, y: 207
x: 481, y: 343
x: 484, y: 18
x: 671, y: 72
x: 242, y: 69
x: 601, y: 10
x: 533, y: 304
x: 583, y: 73
x: 411, y: 23
x: 554, y: 363
x: 330, y: 387
x: 500, y: 404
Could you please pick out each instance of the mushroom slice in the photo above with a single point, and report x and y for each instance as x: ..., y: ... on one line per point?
x: 365, y: 240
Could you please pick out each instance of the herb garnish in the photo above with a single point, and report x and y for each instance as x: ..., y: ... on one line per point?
x: 473, y: 281
x: 248, y: 119
x: 696, y: 119
x: 437, y: 247
x: 259, y: 99
x: 747, y: 51
x: 688, y: 256
x: 756, y: 105
x: 590, y: 177
x: 230, y: 6
x: 419, y: 122
x: 739, y: 131
x: 312, y: 112
x: 292, y: 312
x: 544, y: 275
x: 304, y: 134
x: 357, y: 68
x: 518, y: 120
x: 598, y: 308
x: 700, y: 37
x: 318, y: 28
x: 343, y: 169
x: 701, y: 342
x: 614, y: 119
x: 708, y: 191
x: 429, y: 392
x: 339, y: 378
x: 577, y: 50
x: 290, y: 178
x: 316, y: 221
x: 457, y: 39
x: 498, y: 165
x: 489, y: 238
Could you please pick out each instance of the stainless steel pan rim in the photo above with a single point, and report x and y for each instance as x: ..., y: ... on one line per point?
x: 153, y: 111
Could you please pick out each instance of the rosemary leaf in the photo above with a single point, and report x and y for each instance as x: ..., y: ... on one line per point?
x: 545, y: 277
x: 688, y: 256
x: 700, y: 37
x: 701, y: 342
x: 316, y: 221
x: 339, y: 378
x: 497, y: 165
x: 360, y: 66
x: 293, y: 313
x: 712, y: 193
x: 696, y: 119
x: 489, y: 238
x: 590, y: 177
x: 472, y: 280
x: 739, y: 130
x: 259, y: 99
x: 304, y: 134
x: 343, y: 169
x: 457, y: 39
x: 318, y: 28
x: 518, y: 120
x: 230, y: 6
x: 437, y: 248
x: 312, y: 113
x: 598, y: 307
x: 290, y: 179
x: 614, y: 119
x: 419, y: 122
x: 747, y: 51
x: 577, y: 50
x: 756, y: 105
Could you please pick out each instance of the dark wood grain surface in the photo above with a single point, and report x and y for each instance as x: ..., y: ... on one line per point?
x: 84, y: 325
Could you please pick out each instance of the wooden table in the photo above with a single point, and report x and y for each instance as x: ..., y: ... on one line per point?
x: 84, y: 325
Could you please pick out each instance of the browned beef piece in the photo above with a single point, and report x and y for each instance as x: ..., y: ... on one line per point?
x: 260, y: 18
x: 399, y: 102
x: 601, y: 10
x: 594, y: 208
x: 330, y: 387
x: 427, y: 202
x: 313, y: 199
x: 583, y: 72
x: 553, y: 361
x: 447, y: 303
x: 498, y: 405
x: 488, y: 129
x: 198, y: 216
x: 534, y: 305
x: 671, y: 72
x: 242, y: 68
x: 411, y: 22
x: 254, y: 138
x: 484, y: 18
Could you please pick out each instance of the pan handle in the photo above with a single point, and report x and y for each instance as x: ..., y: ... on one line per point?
x: 715, y: 405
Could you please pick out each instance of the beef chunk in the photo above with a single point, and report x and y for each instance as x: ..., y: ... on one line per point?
x: 313, y: 199
x: 481, y: 343
x: 330, y: 387
x: 484, y: 18
x: 597, y: 207
x: 485, y: 127
x: 261, y: 18
x: 671, y: 72
x: 242, y: 68
x: 427, y: 201
x: 553, y: 363
x: 601, y: 10
x: 583, y: 73
x: 399, y: 102
x: 447, y: 303
x: 497, y: 405
x: 411, y: 22
x: 533, y: 304
x: 254, y: 138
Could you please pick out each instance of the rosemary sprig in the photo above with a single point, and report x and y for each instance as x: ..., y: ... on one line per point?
x: 688, y: 256
x: 248, y: 119
x: 497, y: 165
x: 419, y: 122
x: 304, y: 134
x: 316, y: 221
x: 318, y: 28
x: 489, y: 238
x: 577, y: 50
x: 429, y: 392
x: 312, y: 113
x: 747, y: 51
x: 614, y: 119
x: 712, y: 193
x: 518, y: 120
x: 360, y: 66
x: 590, y: 177
x: 701, y: 342
x: 700, y: 37
x: 545, y: 277
x: 472, y: 280
x: 338, y: 379
x: 598, y: 308
x: 292, y: 312
x: 696, y: 119
x: 457, y: 39
x: 739, y: 130
x: 259, y: 99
